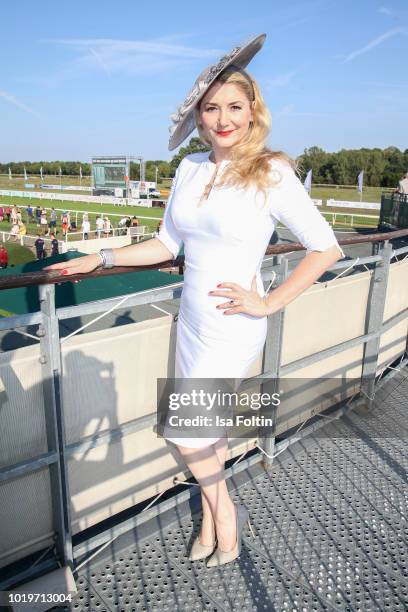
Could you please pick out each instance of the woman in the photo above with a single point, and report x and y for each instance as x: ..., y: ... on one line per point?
x: 14, y: 232
x: 22, y: 229
x: 223, y: 206
x: 107, y: 227
x: 44, y: 222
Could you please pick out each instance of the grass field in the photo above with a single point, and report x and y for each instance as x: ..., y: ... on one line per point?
x: 150, y: 216
x: 370, y: 194
x: 18, y: 254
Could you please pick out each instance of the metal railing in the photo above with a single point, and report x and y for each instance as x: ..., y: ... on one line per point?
x: 274, y: 272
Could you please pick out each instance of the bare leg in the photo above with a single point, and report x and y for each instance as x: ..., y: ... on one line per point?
x: 209, y: 473
x: 207, y: 526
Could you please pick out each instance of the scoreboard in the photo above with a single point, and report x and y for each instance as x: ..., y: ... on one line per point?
x: 110, y: 173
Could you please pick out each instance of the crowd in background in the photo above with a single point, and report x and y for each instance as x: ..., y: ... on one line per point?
x: 49, y: 224
x: 47, y: 221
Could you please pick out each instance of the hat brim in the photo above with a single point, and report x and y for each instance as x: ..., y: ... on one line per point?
x: 185, y: 120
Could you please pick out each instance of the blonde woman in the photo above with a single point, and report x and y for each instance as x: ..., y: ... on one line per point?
x: 222, y: 320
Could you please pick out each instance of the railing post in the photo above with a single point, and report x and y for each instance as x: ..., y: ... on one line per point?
x: 271, y: 360
x: 54, y: 418
x: 374, y: 320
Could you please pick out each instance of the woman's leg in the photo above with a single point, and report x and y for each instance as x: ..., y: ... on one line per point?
x: 205, y: 466
x: 207, y: 526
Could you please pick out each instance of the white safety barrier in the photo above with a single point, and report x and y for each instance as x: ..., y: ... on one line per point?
x: 79, y: 198
x: 65, y: 187
x: 350, y: 204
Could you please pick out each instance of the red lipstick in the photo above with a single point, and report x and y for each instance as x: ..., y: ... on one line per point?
x: 227, y: 133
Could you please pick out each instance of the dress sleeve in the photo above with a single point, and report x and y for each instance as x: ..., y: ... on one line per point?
x: 168, y: 233
x: 291, y: 204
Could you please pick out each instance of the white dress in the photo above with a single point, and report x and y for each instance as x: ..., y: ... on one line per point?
x: 225, y: 239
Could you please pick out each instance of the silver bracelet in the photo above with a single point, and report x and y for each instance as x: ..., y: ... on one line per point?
x: 107, y: 257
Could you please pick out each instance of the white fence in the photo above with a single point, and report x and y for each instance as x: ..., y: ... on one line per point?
x: 117, y: 238
x: 64, y: 197
x: 351, y: 204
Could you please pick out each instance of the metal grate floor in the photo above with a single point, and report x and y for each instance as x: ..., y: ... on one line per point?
x: 331, y: 531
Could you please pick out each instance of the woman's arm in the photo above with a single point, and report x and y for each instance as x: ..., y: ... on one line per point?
x: 303, y: 276
x: 143, y: 254
x: 162, y: 248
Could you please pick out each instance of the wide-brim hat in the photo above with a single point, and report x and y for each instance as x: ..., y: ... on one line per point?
x: 183, y: 119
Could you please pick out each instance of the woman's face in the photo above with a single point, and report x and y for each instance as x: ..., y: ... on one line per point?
x: 225, y: 114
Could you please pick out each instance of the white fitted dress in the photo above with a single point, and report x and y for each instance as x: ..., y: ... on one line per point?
x: 225, y: 239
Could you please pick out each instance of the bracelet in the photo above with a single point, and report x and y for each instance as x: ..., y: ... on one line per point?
x: 107, y: 257
x: 100, y: 264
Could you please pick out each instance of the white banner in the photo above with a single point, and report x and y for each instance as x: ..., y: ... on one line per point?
x: 65, y: 187
x: 349, y: 204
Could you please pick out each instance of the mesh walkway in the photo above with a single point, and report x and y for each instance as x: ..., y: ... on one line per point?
x: 330, y: 522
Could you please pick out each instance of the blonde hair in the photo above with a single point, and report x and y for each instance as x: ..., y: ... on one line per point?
x: 250, y: 160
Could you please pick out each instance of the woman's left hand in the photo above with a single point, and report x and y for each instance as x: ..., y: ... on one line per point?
x: 248, y: 302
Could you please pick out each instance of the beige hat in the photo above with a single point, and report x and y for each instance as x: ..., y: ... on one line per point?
x: 183, y: 120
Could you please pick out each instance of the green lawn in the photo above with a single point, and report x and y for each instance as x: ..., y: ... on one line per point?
x: 17, y: 254
x: 370, y: 194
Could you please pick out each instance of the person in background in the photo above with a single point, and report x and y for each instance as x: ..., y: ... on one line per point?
x: 64, y: 226
x: 14, y: 232
x: 14, y: 218
x: 53, y: 219
x: 3, y: 256
x: 1, y: 213
x: 65, y: 217
x: 54, y: 245
x: 86, y: 228
x: 39, y: 247
x: 38, y: 215
x: 18, y: 215
x: 403, y: 185
x: 107, y: 226
x: 8, y: 213
x: 22, y: 229
x: 44, y: 222
x: 122, y: 225
x: 135, y: 221
x: 99, y: 225
x: 30, y: 213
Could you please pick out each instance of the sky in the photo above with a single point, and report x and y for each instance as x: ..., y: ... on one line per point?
x: 81, y: 79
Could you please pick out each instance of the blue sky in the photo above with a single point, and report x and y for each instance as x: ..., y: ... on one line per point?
x: 101, y: 78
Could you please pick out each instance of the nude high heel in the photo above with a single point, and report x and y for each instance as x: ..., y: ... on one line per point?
x: 199, y: 551
x: 221, y: 557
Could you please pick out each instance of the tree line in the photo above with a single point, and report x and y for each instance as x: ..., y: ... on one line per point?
x: 382, y: 167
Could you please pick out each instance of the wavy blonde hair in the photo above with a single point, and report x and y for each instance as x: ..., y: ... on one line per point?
x: 250, y: 159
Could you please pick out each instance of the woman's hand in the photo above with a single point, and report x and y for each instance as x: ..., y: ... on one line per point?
x: 248, y: 302
x: 79, y: 265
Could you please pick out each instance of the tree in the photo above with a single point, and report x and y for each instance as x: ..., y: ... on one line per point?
x: 194, y: 146
x: 313, y: 159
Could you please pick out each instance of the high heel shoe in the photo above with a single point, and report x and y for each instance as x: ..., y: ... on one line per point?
x: 200, y: 551
x: 220, y: 557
